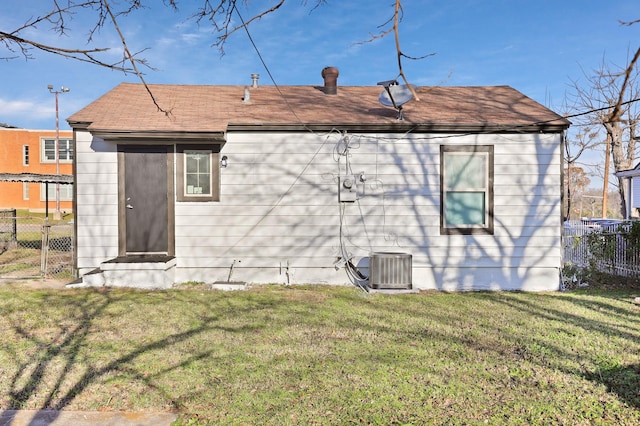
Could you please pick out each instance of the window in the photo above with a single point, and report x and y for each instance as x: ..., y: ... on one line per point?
x: 66, y: 192
x: 466, y: 181
x: 198, y: 173
x: 25, y: 155
x: 25, y: 190
x: 65, y: 150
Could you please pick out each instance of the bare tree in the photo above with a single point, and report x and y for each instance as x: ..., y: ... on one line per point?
x: 611, y: 94
x: 576, y: 183
x: 575, y: 178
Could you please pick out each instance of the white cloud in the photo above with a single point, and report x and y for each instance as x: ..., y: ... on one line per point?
x: 191, y: 38
x: 16, y: 111
x: 20, y: 107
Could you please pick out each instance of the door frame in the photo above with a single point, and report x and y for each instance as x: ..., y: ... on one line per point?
x: 122, y: 221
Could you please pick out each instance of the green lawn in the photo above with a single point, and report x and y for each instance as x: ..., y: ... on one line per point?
x: 325, y: 355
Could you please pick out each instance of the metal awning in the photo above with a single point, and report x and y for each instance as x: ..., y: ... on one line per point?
x: 36, y: 177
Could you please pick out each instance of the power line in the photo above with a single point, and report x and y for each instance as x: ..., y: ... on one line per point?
x: 579, y: 114
x: 264, y: 64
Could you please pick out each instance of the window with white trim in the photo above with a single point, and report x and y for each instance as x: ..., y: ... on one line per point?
x: 25, y: 155
x: 198, y: 172
x: 65, y: 150
x: 466, y: 198
x: 25, y: 190
x: 66, y: 192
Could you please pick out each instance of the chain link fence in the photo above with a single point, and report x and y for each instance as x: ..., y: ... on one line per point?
x: 33, y: 247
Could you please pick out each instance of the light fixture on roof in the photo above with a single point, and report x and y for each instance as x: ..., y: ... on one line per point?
x: 395, y: 95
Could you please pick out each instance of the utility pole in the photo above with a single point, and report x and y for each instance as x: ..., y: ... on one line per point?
x: 605, y: 183
x: 57, y: 215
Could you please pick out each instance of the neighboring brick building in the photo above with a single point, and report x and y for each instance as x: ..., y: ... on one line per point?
x: 33, y: 151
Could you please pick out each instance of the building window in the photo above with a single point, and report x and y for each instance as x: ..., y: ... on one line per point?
x: 25, y: 155
x: 466, y: 197
x: 198, y: 172
x: 25, y: 190
x: 66, y: 192
x: 65, y: 150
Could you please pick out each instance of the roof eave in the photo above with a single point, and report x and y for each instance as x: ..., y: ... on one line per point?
x: 160, y: 135
x: 79, y: 125
x: 404, y: 127
x: 628, y: 173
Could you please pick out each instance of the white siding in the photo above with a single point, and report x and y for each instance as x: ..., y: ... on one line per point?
x: 96, y: 201
x: 278, y: 218
x: 635, y: 195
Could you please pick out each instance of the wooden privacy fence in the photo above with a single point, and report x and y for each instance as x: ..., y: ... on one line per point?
x: 34, y: 247
x: 606, y: 246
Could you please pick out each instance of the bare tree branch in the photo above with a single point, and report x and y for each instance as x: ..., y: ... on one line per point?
x: 83, y: 55
x: 13, y: 41
x: 629, y: 23
x: 223, y: 11
x: 617, y: 111
x: 394, y: 28
x: 131, y: 58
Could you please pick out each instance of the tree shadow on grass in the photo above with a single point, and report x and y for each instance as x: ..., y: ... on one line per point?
x: 622, y: 380
x: 63, y: 353
x: 618, y: 320
x: 555, y: 322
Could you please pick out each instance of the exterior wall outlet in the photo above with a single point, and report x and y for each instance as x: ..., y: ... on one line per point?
x: 348, y: 189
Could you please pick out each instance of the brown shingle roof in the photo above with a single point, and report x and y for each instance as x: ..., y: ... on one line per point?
x: 128, y: 107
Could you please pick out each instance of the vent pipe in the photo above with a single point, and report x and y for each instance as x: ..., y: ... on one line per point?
x: 254, y: 79
x: 330, y: 76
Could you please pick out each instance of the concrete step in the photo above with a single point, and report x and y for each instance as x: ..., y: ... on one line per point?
x: 150, y: 272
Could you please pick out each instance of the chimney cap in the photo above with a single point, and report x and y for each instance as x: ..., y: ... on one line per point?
x: 330, y: 76
x: 330, y: 72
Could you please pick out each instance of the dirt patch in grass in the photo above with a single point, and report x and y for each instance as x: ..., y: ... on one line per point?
x: 34, y: 283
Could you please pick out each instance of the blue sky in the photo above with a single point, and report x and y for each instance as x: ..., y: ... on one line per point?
x: 537, y: 46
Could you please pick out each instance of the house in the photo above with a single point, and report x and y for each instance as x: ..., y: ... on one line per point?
x: 631, y: 179
x: 311, y: 184
x: 25, y: 156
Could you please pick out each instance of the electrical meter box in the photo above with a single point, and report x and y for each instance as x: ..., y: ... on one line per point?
x: 347, y: 189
